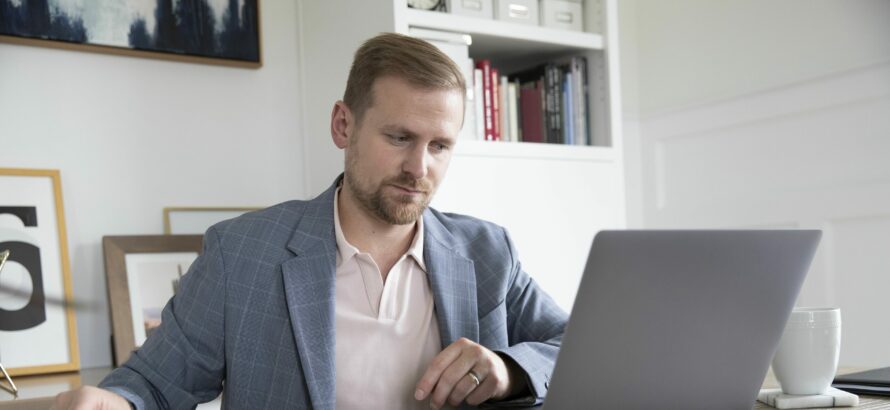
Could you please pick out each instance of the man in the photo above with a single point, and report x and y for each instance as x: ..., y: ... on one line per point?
x: 362, y: 297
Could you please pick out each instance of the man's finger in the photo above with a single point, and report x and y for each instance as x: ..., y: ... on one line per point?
x: 483, y: 392
x: 464, y: 387
x: 436, y: 368
x: 453, y: 375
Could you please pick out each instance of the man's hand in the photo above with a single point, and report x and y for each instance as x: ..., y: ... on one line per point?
x: 89, y: 397
x: 451, y: 376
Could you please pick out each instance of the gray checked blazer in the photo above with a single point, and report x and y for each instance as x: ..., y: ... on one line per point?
x: 256, y: 311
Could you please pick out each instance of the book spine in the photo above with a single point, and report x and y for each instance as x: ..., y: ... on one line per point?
x: 479, y: 91
x: 578, y: 103
x: 567, y: 110
x: 496, y: 104
x: 513, y: 110
x: 559, y: 114
x: 541, y: 86
x: 588, y: 124
x: 530, y: 110
x: 485, y: 66
x: 550, y: 107
x: 504, y: 107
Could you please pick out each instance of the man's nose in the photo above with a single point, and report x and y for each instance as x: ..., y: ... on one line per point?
x: 416, y: 162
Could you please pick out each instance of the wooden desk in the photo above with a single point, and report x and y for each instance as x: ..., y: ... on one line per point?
x: 38, y: 392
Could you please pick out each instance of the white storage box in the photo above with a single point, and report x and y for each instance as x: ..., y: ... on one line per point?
x: 475, y: 8
x: 517, y: 11
x: 562, y: 14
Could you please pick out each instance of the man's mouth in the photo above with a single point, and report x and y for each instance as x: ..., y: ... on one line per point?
x: 407, y: 190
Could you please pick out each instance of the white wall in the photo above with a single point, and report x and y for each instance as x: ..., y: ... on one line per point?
x: 552, y: 206
x: 759, y: 114
x: 133, y: 135
x: 698, y: 51
x: 330, y: 32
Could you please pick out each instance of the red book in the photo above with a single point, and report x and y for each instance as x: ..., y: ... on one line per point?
x: 495, y: 104
x: 531, y: 112
x: 485, y: 66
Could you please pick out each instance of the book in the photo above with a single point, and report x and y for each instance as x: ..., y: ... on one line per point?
x: 495, y: 104
x: 479, y: 104
x: 579, y: 100
x: 555, y: 130
x: 875, y: 381
x: 513, y: 110
x: 504, y: 109
x: 568, y: 111
x: 485, y: 66
x: 531, y: 111
x: 550, y: 106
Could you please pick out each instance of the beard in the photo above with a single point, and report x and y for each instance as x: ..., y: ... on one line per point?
x: 395, y: 209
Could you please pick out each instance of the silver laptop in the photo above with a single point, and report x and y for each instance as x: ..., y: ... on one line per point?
x: 679, y: 319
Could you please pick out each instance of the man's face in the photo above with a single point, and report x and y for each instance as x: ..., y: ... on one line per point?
x: 398, y: 155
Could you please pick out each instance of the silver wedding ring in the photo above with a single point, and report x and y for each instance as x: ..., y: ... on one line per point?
x: 475, y: 377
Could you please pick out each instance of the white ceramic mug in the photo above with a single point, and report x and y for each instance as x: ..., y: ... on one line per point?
x: 806, y: 361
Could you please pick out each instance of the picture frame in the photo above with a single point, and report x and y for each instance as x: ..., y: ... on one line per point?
x: 38, y: 331
x: 142, y: 273
x: 198, y: 31
x: 196, y: 220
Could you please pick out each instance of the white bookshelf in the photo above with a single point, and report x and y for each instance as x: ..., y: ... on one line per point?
x: 496, y: 37
x: 553, y: 198
x: 531, y: 150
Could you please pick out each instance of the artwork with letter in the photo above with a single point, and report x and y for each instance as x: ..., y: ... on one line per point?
x: 143, y: 272
x: 209, y: 31
x: 37, y: 326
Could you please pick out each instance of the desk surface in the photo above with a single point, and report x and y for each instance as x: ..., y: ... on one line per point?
x: 37, y: 392
x: 865, y: 402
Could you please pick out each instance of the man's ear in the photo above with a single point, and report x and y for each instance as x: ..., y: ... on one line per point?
x: 342, y: 124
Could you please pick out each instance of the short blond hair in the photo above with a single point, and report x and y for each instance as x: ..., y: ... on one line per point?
x: 408, y: 58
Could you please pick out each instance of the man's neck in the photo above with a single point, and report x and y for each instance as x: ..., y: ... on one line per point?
x: 369, y: 233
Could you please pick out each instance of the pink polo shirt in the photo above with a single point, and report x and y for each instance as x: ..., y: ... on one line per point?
x: 386, y: 332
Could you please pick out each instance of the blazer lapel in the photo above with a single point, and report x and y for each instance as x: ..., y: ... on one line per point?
x: 453, y: 282
x: 309, y: 280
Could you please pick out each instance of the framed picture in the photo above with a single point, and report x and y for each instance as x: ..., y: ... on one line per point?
x: 204, y: 31
x: 37, y: 326
x: 143, y: 273
x: 196, y: 220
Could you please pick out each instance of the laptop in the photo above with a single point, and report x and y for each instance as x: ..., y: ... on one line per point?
x: 679, y: 319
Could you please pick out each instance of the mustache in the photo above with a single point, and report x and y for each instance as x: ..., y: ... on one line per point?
x: 416, y: 184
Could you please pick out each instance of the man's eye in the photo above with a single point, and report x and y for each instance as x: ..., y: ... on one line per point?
x: 399, y: 139
x: 439, y: 147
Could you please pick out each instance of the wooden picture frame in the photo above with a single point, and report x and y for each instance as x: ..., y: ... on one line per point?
x: 125, y: 284
x: 38, y: 331
x: 192, y: 31
x: 195, y: 220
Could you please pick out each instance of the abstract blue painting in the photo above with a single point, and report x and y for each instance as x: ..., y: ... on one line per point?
x: 216, y: 29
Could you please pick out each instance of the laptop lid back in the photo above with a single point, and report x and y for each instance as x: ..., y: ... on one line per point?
x: 679, y: 319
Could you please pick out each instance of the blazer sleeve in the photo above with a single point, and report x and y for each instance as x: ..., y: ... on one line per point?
x: 183, y: 362
x: 535, y: 325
